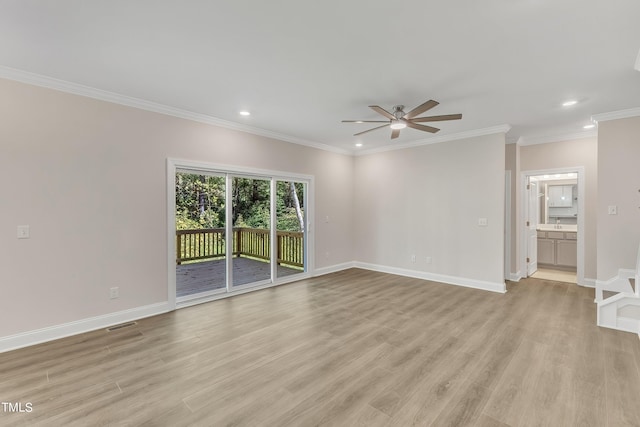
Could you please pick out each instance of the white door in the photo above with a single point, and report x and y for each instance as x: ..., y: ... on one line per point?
x: 532, y: 225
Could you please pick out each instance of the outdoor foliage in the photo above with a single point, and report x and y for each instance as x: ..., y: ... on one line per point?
x: 200, y: 203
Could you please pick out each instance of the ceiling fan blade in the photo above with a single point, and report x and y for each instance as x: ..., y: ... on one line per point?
x: 370, y: 130
x: 422, y: 127
x: 365, y: 121
x: 395, y: 133
x: 437, y: 118
x: 420, y: 109
x: 382, y: 111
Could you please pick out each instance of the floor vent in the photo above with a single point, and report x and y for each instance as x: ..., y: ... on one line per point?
x: 120, y: 326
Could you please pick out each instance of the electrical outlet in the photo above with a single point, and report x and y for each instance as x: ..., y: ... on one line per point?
x: 114, y: 293
x: 413, y: 258
x: 482, y: 222
x: 613, y: 210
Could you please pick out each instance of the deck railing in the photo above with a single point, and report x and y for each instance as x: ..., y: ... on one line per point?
x: 209, y: 243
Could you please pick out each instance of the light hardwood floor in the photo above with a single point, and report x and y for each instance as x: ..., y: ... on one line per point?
x: 350, y: 348
x: 556, y: 275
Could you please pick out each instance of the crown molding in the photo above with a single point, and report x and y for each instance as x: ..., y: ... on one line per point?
x: 615, y: 115
x: 438, y: 139
x: 536, y: 140
x: 116, y: 98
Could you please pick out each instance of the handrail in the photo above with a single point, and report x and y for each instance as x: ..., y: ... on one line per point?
x: 209, y: 243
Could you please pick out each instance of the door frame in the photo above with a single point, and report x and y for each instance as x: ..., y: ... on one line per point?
x: 507, y: 225
x: 530, y: 270
x: 173, y: 165
x: 524, y: 200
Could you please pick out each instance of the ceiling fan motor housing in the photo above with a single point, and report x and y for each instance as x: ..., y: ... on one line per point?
x: 398, y: 111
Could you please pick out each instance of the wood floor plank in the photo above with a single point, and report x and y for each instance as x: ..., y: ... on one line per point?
x: 622, y: 388
x: 349, y: 348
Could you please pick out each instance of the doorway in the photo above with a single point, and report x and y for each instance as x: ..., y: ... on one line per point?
x: 552, y: 229
x: 232, y: 230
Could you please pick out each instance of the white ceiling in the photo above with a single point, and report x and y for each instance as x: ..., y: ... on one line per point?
x: 301, y: 67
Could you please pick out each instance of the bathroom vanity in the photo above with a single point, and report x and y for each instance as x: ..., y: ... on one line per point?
x: 557, y: 246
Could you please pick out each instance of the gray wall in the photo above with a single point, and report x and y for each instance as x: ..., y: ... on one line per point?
x: 618, y: 185
x: 427, y: 201
x: 566, y: 154
x: 89, y: 177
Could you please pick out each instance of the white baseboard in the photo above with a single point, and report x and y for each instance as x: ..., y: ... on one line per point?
x: 450, y: 280
x: 588, y: 283
x: 627, y: 325
x: 333, y: 268
x: 622, y: 273
x: 515, y: 277
x: 25, y: 339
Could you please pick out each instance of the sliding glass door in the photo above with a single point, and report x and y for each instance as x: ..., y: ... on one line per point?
x: 290, y: 223
x: 201, y: 250
x: 235, y: 231
x: 251, y: 219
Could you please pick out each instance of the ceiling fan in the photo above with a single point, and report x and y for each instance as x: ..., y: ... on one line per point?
x: 398, y: 119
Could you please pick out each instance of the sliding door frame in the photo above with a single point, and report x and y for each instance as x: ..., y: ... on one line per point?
x: 175, y: 165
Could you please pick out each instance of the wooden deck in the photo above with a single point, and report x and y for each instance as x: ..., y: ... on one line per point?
x: 210, y: 275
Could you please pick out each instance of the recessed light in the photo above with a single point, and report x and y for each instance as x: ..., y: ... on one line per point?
x: 245, y: 113
x: 591, y: 126
x: 359, y: 144
x: 569, y: 103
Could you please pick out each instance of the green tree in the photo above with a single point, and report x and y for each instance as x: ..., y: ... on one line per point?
x: 200, y: 203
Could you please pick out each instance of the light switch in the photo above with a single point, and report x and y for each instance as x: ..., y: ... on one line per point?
x: 23, y: 232
x: 613, y: 210
x: 482, y: 222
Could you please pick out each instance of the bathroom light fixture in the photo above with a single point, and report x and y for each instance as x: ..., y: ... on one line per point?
x: 591, y: 126
x: 569, y: 103
x: 245, y: 113
x: 359, y: 144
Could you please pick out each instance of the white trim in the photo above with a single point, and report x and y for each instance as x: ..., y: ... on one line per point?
x: 241, y: 290
x: 171, y: 233
x: 174, y: 165
x: 515, y: 277
x: 615, y: 115
x: 441, y: 278
x: 236, y: 170
x: 546, y: 139
x: 588, y: 283
x: 637, y: 65
x: 581, y: 213
x: 627, y: 324
x: 116, y: 98
x: 438, y: 139
x: 622, y: 273
x: 334, y: 268
x: 507, y: 224
x: 38, y: 336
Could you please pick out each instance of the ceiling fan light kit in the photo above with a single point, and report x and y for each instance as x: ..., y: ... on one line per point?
x: 400, y: 120
x: 397, y: 124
